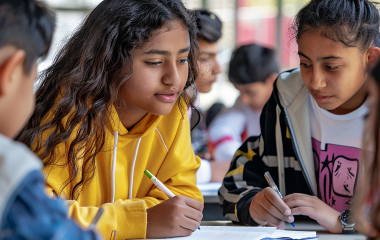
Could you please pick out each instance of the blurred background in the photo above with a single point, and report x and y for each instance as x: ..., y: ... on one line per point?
x: 265, y: 22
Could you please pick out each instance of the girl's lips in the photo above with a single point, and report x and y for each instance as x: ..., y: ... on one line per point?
x: 322, y: 98
x: 167, y: 97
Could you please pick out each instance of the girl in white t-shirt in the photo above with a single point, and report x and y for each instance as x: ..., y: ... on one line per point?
x: 311, y: 127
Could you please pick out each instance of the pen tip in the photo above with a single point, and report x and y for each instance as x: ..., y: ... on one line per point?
x: 148, y: 174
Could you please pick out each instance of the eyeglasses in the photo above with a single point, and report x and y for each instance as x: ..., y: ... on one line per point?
x: 113, y: 235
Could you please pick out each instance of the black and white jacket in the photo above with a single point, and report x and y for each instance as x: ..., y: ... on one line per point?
x: 283, y: 148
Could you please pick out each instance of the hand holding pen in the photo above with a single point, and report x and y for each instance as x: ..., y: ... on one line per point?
x: 178, y: 216
x: 268, y: 209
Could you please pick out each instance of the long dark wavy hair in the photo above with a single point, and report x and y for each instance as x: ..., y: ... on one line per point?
x: 369, y: 195
x: 374, y: 174
x: 366, y: 203
x: 84, y: 80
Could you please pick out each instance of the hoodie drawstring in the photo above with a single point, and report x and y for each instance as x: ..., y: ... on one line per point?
x: 114, y: 166
x: 114, y: 157
x: 280, y: 154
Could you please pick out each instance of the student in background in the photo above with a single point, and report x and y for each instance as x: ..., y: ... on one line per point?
x: 209, y: 34
x: 253, y: 69
x: 366, y: 202
x: 26, y: 212
x: 312, y: 126
x: 114, y: 104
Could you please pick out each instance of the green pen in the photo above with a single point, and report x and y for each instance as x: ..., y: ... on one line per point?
x: 160, y: 186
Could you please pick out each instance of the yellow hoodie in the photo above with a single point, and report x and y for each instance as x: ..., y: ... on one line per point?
x: 160, y: 144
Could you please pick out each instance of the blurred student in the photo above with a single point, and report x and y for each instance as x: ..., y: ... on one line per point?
x: 114, y: 104
x: 26, y: 212
x: 366, y: 202
x: 209, y: 34
x: 312, y: 126
x: 253, y: 70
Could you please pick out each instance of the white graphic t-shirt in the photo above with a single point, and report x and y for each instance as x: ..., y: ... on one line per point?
x: 337, y: 144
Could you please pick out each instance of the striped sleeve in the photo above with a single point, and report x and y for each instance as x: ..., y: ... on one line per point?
x: 243, y: 181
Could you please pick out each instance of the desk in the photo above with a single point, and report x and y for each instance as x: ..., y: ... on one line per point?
x: 210, y: 191
x: 304, y: 226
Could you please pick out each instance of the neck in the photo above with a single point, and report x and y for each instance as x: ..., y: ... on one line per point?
x: 129, y: 115
x: 354, y: 102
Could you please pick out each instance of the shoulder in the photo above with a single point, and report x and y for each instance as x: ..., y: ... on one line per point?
x: 32, y: 215
x: 16, y: 162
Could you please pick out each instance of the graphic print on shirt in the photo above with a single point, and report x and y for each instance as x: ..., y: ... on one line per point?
x: 336, y: 172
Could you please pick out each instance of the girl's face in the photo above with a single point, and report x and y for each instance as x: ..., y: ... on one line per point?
x: 334, y: 74
x: 209, y: 68
x: 160, y: 72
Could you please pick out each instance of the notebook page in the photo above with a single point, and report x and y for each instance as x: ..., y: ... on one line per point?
x: 268, y: 230
x: 291, y: 234
x: 228, y: 233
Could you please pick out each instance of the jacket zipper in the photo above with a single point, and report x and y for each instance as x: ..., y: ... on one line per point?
x: 295, y: 146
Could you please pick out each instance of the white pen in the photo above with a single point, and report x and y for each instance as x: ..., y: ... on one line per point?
x: 96, y: 218
x: 159, y: 184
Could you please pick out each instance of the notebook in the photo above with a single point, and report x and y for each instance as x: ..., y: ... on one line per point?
x: 246, y: 233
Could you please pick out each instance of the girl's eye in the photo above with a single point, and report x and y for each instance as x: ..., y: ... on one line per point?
x: 332, y: 68
x: 183, y: 61
x: 153, y: 63
x: 305, y: 65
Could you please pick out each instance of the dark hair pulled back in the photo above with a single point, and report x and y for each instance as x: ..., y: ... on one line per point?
x: 355, y: 23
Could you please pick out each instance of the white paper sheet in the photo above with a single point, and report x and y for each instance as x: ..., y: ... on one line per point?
x: 228, y: 233
x: 243, y: 233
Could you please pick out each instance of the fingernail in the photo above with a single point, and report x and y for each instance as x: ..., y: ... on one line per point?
x: 287, y: 212
x: 291, y: 219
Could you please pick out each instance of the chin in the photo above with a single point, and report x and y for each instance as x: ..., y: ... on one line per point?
x: 329, y: 107
x: 204, y: 88
x: 165, y: 110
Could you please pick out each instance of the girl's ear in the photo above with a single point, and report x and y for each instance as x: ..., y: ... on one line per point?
x: 11, y: 71
x: 373, y: 57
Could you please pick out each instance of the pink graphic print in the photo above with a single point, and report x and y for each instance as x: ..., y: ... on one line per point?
x: 336, y: 172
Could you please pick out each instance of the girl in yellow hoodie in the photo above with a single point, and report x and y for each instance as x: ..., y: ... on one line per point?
x: 114, y: 104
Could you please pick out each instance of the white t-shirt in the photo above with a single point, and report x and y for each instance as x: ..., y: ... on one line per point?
x: 337, y: 143
x: 231, y: 128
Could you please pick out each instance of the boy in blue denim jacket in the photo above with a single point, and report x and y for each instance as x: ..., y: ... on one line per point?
x: 26, y: 29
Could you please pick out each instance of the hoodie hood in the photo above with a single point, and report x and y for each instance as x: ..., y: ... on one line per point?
x: 140, y: 130
x: 293, y: 98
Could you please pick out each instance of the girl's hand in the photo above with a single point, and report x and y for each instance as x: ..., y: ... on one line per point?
x: 176, y: 217
x: 268, y: 209
x: 315, y: 208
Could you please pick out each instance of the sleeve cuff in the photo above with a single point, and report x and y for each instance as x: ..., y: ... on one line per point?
x: 242, y: 208
x: 131, y: 220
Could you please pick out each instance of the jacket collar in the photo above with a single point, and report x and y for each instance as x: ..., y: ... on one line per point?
x: 292, y: 96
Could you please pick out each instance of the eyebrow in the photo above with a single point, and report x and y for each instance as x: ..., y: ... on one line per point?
x: 321, y: 58
x: 209, y: 53
x: 166, y: 53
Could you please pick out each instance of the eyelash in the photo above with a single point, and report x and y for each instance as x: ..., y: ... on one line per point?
x: 330, y: 68
x: 153, y: 63
x: 305, y: 65
x: 182, y: 61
